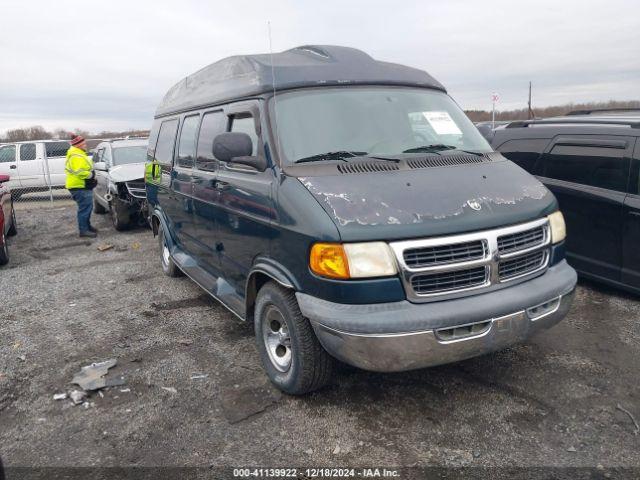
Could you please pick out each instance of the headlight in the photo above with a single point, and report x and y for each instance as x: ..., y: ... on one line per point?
x: 352, y: 260
x: 558, y: 228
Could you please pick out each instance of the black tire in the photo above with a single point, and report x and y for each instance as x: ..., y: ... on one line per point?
x: 310, y: 367
x: 120, y: 216
x: 4, y: 249
x: 13, y: 229
x: 97, y: 206
x: 169, y: 267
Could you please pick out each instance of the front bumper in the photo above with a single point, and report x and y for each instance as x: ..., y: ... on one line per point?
x: 405, y: 336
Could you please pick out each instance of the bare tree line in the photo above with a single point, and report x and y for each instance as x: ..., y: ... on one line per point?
x: 37, y: 132
x: 521, y: 113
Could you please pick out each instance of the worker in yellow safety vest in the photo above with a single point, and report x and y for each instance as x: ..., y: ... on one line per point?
x: 80, y: 183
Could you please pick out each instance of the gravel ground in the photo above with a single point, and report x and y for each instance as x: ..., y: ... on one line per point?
x: 65, y: 304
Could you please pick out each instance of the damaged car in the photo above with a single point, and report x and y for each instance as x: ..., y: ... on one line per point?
x: 119, y: 166
x: 349, y: 210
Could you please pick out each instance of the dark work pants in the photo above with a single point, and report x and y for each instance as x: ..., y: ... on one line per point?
x: 84, y: 199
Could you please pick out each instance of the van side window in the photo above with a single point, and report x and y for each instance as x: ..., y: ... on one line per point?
x: 524, y: 151
x: 28, y: 151
x: 245, y: 124
x: 8, y: 154
x: 166, y: 141
x: 213, y: 123
x: 56, y: 149
x: 187, y: 144
x: 597, y: 166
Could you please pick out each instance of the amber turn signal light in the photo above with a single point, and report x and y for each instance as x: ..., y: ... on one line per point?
x: 329, y: 260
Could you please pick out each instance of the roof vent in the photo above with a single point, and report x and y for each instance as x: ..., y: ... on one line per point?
x: 367, y: 167
x: 446, y: 161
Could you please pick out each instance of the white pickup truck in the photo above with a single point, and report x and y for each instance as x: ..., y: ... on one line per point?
x: 34, y: 166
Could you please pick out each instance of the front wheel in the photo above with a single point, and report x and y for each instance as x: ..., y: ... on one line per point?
x: 290, y: 351
x: 169, y: 267
x: 120, y: 215
x: 4, y: 249
x: 13, y: 230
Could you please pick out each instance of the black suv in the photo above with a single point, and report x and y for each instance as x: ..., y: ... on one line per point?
x: 590, y: 161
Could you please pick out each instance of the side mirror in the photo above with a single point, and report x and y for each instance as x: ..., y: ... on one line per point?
x: 487, y: 132
x: 227, y: 146
x: 100, y: 166
x: 258, y: 163
x: 4, y: 178
x: 236, y: 147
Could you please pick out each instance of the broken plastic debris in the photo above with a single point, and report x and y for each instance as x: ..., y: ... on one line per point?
x: 197, y: 376
x: 125, y: 390
x: 22, y: 357
x: 77, y: 396
x: 105, y: 247
x: 185, y: 341
x: 92, y: 377
x: 170, y: 389
x: 60, y: 396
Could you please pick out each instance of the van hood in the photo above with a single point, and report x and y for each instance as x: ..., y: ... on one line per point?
x: 431, y: 201
x: 126, y: 173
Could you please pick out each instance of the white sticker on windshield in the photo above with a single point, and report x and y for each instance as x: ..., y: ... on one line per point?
x: 442, y: 123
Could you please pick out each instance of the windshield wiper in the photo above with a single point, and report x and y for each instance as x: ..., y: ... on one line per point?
x: 438, y: 147
x: 338, y: 155
x: 434, y: 148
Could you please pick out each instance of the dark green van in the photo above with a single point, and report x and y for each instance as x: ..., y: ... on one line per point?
x: 350, y: 210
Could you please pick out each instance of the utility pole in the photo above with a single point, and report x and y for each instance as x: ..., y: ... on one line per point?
x: 530, y: 114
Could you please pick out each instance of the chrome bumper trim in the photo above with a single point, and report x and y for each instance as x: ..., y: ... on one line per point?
x: 392, y: 352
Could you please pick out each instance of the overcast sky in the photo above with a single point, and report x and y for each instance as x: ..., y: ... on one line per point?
x: 104, y: 65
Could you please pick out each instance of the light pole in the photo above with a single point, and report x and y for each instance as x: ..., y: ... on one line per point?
x: 494, y: 98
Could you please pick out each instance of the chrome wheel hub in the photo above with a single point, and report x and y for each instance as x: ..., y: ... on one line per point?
x: 276, y: 338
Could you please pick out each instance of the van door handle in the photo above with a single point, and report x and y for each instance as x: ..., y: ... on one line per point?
x: 13, y: 167
x: 222, y: 185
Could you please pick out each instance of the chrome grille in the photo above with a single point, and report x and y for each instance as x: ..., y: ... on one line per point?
x: 521, y: 265
x: 521, y: 240
x: 137, y: 189
x: 458, y: 265
x: 443, y: 254
x: 445, y: 281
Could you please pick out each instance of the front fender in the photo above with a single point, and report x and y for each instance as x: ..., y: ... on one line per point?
x: 272, y: 268
x: 263, y: 268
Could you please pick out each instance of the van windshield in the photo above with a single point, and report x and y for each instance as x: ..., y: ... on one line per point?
x: 340, y: 123
x: 122, y: 155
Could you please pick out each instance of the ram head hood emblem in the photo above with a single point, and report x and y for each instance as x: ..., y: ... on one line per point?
x: 474, y: 204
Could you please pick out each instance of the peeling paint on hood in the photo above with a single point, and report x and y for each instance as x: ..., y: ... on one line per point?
x: 126, y: 173
x: 430, y: 201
